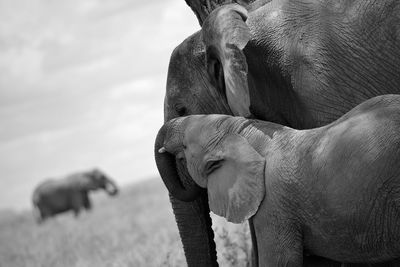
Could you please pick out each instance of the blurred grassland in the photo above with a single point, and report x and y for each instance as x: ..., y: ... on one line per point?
x: 136, y: 228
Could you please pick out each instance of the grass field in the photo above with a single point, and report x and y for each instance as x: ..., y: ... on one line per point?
x: 137, y: 228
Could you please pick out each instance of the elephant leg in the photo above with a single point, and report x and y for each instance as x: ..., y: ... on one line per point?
x: 76, y: 202
x: 40, y: 219
x: 43, y: 214
x: 308, y: 260
x: 254, y: 249
x: 37, y: 214
x: 86, y: 201
x: 76, y: 212
x: 194, y: 225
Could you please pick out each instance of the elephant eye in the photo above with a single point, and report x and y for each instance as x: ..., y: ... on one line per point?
x: 212, y: 165
x: 181, y: 111
x: 180, y: 156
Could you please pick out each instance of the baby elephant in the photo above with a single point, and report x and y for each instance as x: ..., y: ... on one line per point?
x: 54, y: 196
x: 332, y: 191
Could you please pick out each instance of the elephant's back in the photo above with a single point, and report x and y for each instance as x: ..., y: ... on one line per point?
x: 363, y: 144
x: 50, y: 192
x: 41, y: 189
x: 356, y: 190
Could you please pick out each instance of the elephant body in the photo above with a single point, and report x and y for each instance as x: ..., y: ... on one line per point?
x: 332, y: 191
x: 311, y: 61
x: 301, y: 64
x: 54, y: 196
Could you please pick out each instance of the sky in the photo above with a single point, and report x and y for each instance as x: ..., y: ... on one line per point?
x: 82, y: 84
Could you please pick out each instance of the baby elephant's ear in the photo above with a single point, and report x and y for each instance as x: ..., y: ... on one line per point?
x: 236, y: 188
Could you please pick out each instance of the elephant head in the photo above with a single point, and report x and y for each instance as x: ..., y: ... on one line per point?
x: 220, y: 158
x: 96, y: 179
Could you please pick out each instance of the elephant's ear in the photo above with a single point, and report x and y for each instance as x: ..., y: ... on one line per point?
x: 225, y: 34
x: 236, y: 183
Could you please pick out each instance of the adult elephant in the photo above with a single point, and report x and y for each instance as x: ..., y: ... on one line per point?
x: 298, y: 63
x: 54, y: 196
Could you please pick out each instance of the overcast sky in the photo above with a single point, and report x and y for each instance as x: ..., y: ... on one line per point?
x: 82, y: 84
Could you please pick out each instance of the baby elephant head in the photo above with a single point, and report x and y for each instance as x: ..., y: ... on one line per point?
x: 219, y: 157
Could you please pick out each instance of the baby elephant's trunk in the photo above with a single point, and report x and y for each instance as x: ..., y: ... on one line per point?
x: 166, y: 165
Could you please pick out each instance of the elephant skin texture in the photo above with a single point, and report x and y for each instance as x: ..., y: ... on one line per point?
x: 302, y: 64
x: 54, y: 196
x: 332, y: 191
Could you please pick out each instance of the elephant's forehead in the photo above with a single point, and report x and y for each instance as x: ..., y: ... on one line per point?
x: 184, y: 63
x: 198, y: 134
x: 202, y: 127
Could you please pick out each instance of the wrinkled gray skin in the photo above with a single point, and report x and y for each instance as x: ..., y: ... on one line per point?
x: 54, y: 196
x: 300, y: 63
x: 332, y: 191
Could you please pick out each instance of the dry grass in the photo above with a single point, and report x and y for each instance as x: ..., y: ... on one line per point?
x: 135, y: 229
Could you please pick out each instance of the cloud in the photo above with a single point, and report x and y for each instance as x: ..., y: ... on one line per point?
x: 82, y: 85
x: 115, y: 132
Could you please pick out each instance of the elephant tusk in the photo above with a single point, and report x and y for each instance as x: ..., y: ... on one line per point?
x: 162, y: 150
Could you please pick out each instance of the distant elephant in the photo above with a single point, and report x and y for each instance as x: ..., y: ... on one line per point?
x: 300, y: 63
x: 332, y: 191
x: 54, y: 196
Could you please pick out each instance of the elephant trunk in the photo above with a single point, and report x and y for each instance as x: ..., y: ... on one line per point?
x: 111, y: 188
x: 166, y: 166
